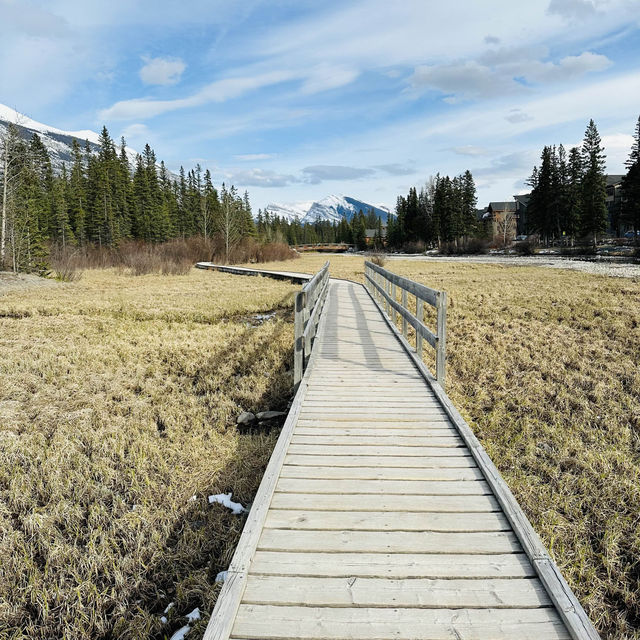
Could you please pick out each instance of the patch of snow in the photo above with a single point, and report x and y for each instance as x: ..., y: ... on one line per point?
x: 194, y: 615
x: 169, y: 607
x: 222, y: 576
x: 181, y: 633
x: 289, y: 212
x: 193, y: 498
x: 163, y: 619
x: 225, y: 500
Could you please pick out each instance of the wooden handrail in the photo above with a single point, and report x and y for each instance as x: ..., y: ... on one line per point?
x: 382, y: 286
x: 308, y: 307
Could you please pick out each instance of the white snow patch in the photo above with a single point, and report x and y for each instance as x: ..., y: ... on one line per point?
x: 193, y: 498
x: 194, y: 615
x: 169, y: 607
x: 181, y: 633
x: 222, y: 576
x: 163, y: 619
x: 225, y: 500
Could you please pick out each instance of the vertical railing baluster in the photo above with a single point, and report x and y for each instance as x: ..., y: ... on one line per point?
x: 441, y: 324
x: 420, y: 317
x: 405, y: 325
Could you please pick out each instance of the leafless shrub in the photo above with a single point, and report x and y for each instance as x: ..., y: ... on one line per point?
x: 378, y: 258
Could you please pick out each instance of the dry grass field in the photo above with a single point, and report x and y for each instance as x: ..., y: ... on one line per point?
x: 544, y: 364
x: 118, y: 398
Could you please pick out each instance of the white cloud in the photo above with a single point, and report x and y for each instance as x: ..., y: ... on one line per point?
x: 517, y: 115
x: 136, y: 133
x: 162, y: 71
x: 572, y: 9
x: 259, y: 178
x: 469, y: 150
x: 321, y: 172
x: 218, y: 91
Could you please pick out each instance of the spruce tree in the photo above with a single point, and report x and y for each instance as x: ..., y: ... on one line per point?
x: 594, y: 194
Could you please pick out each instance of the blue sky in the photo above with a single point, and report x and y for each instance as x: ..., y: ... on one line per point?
x: 294, y: 100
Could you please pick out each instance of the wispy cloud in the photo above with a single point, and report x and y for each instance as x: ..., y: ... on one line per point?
x: 260, y: 178
x: 162, y: 71
x: 323, y: 172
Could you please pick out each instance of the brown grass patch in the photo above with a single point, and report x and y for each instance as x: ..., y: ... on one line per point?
x: 118, y: 397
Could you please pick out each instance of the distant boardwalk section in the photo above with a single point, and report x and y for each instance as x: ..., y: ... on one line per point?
x: 381, y: 516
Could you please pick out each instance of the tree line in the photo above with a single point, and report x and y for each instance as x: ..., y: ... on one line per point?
x: 568, y: 199
x: 100, y: 199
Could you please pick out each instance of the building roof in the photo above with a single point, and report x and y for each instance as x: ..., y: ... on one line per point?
x: 614, y: 178
x: 502, y: 206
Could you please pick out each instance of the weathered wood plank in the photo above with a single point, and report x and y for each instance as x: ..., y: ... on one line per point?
x: 388, y: 541
x: 453, y: 458
x: 421, y: 440
x: 421, y: 423
x: 387, y: 565
x: 371, y: 502
x: 337, y: 429
x: 381, y: 473
x: 385, y: 521
x: 272, y: 622
x: 384, y: 487
x: 369, y: 450
x: 419, y: 593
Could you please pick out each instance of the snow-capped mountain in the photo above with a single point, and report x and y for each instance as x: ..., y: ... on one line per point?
x: 332, y: 208
x: 58, y: 142
x: 288, y: 212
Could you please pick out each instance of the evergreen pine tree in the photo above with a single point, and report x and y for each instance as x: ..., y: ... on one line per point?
x: 594, y: 194
x: 631, y: 186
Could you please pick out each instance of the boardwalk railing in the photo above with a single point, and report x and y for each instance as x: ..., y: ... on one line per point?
x: 383, y: 285
x: 308, y: 307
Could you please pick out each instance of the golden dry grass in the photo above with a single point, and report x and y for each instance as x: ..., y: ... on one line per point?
x: 118, y: 398
x: 543, y: 363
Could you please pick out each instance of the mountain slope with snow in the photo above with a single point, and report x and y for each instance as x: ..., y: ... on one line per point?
x: 288, y: 212
x: 59, y: 143
x: 332, y: 208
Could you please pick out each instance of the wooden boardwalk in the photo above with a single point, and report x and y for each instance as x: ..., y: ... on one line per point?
x: 377, y: 517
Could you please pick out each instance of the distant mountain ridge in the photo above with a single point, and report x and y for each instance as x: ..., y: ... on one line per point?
x: 333, y: 208
x: 59, y: 143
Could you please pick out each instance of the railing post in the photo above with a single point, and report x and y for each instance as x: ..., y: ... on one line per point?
x: 441, y: 351
x: 298, y: 346
x: 420, y: 317
x: 404, y: 320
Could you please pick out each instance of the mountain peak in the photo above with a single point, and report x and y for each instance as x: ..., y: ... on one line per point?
x: 332, y: 208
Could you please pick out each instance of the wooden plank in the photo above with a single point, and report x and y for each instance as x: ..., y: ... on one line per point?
x: 455, y: 458
x: 418, y: 593
x: 388, y: 541
x: 338, y: 429
x: 381, y: 473
x: 385, y: 521
x: 415, y: 288
x: 368, y: 450
x: 386, y: 565
x: 427, y: 424
x: 359, y: 623
x: 372, y: 502
x: 386, y: 487
x: 351, y: 416
x: 421, y: 440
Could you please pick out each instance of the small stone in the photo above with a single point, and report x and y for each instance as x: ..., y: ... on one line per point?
x: 270, y: 415
x: 245, y: 418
